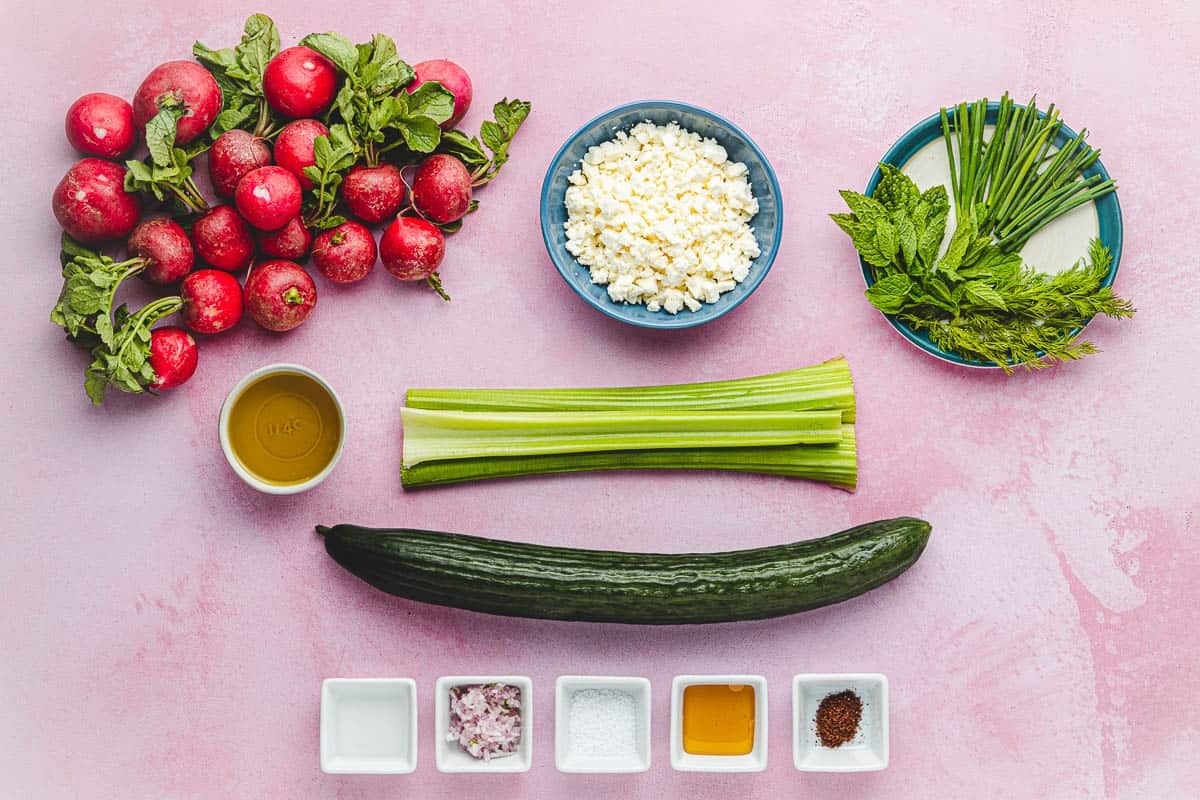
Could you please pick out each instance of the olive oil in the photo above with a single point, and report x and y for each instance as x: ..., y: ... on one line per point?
x: 284, y: 428
x: 718, y: 719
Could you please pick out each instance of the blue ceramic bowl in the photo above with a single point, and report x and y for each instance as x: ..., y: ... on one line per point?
x: 928, y: 130
x: 768, y: 223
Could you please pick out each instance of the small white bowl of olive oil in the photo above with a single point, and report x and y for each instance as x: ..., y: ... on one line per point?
x: 282, y: 429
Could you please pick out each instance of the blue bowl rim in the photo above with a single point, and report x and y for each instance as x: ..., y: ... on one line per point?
x: 904, y: 146
x: 614, y: 310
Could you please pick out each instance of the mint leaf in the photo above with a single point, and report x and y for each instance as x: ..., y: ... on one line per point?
x: 867, y: 209
x: 941, y: 291
x: 862, y: 235
x: 337, y: 48
x: 885, y: 239
x: 896, y: 190
x: 890, y: 294
x: 964, y: 235
x: 982, y: 294
x: 977, y: 248
x: 938, y: 200
x: 930, y: 240
x: 906, y: 234
x: 919, y: 214
x: 846, y: 222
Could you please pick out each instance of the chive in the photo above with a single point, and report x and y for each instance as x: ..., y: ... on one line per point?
x: 950, y: 155
x: 1020, y: 183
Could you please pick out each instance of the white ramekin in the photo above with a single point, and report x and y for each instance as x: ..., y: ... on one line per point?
x: 249, y: 477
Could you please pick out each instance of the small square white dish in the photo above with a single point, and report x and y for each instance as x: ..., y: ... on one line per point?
x: 754, y: 761
x: 631, y: 747
x: 449, y: 757
x: 368, y: 725
x: 867, y: 751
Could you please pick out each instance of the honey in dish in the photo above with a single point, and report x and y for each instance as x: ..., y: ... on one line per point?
x: 284, y: 428
x: 718, y: 719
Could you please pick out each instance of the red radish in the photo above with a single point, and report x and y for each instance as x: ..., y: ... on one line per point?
x: 300, y: 82
x: 373, y: 194
x: 291, y: 241
x: 280, y: 295
x: 345, y: 254
x: 178, y: 82
x: 441, y: 189
x: 294, y: 147
x: 268, y: 197
x: 453, y: 78
x: 223, y: 239
x: 412, y: 248
x: 165, y: 248
x: 173, y: 357
x: 232, y: 155
x: 101, y: 124
x: 91, y: 203
x: 212, y: 301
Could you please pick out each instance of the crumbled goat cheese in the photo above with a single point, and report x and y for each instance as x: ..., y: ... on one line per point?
x: 661, y: 216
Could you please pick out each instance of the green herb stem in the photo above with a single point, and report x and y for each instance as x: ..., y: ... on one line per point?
x: 1013, y: 182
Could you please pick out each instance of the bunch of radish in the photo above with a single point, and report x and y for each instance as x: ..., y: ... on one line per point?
x: 308, y: 148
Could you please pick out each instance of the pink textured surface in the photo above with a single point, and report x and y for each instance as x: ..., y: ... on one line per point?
x: 165, y: 629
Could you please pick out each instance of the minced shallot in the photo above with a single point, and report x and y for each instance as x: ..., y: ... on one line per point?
x: 485, y: 719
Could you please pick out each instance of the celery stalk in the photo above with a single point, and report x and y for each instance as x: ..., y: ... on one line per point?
x: 442, y: 435
x: 817, y: 388
x: 836, y: 464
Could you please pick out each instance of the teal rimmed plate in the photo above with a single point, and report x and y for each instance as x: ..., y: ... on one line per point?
x: 1108, y: 212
